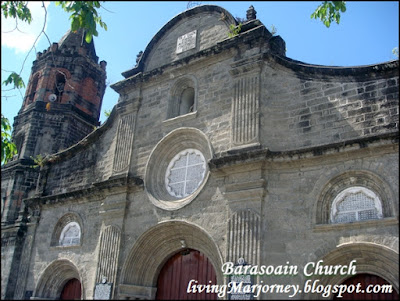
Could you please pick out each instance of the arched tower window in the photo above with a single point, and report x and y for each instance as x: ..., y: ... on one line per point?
x: 355, y: 204
x: 32, y: 91
x: 70, y: 235
x: 59, y: 86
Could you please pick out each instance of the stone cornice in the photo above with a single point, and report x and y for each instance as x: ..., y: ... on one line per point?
x: 353, y: 73
x: 17, y: 165
x: 389, y: 221
x: 122, y: 181
x: 245, y: 37
x: 233, y: 157
x: 59, y: 108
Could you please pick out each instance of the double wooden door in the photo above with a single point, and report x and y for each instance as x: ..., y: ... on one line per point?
x: 177, y: 272
x: 72, y: 290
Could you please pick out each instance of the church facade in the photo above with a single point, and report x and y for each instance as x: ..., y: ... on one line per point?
x: 221, y: 153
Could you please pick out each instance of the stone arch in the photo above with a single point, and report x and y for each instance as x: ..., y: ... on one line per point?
x: 183, y: 97
x: 213, y: 10
x: 62, y: 222
x: 349, y: 179
x: 154, y: 247
x: 54, y: 277
x: 370, y: 258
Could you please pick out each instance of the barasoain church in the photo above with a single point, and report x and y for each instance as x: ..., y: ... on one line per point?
x: 219, y: 150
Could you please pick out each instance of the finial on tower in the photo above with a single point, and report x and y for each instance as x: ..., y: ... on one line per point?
x: 251, y: 13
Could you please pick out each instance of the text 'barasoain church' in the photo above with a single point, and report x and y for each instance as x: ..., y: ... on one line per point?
x: 221, y: 155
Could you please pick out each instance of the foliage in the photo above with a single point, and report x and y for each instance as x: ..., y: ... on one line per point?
x: 83, y: 15
x: 16, y: 10
x: 273, y: 29
x: 395, y: 52
x: 16, y: 79
x: 234, y: 30
x: 8, y: 149
x: 39, y: 161
x: 107, y: 113
x: 329, y: 11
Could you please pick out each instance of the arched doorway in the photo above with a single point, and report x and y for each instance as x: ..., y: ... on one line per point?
x: 71, y: 290
x: 177, y: 272
x: 367, y: 280
x: 154, y: 247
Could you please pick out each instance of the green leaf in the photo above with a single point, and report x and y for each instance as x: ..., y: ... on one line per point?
x: 75, y: 24
x: 8, y: 148
x: 88, y: 38
x: 15, y: 79
x: 16, y: 9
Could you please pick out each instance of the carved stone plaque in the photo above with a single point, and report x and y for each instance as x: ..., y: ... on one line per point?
x: 186, y: 42
x: 102, y: 291
x: 245, y: 279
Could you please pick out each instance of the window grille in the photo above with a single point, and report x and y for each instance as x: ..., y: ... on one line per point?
x: 70, y: 235
x: 185, y: 173
x: 356, y: 204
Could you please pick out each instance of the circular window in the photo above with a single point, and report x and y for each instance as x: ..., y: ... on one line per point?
x: 177, y: 168
x: 185, y: 173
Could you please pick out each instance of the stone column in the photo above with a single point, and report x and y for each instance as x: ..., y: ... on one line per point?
x: 245, y: 104
x: 125, y: 135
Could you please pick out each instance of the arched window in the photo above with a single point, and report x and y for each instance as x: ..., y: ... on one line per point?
x: 59, y: 86
x: 70, y: 235
x: 32, y: 91
x: 67, y: 231
x: 186, y: 103
x: 183, y: 98
x: 355, y: 204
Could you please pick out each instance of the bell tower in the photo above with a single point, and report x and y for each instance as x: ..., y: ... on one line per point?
x: 63, y: 98
x: 61, y: 106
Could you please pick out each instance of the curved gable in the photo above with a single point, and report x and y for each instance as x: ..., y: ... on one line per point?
x: 187, y: 33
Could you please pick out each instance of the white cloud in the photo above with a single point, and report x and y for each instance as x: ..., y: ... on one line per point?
x: 22, y: 39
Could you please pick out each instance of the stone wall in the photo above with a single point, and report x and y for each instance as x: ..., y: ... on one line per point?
x: 206, y: 28
x: 313, y: 111
x: 38, y: 131
x: 83, y: 257
x: 90, y: 162
x: 280, y: 138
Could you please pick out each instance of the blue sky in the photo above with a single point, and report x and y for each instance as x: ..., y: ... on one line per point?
x: 366, y: 35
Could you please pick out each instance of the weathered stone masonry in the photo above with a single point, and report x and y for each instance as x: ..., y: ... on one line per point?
x: 281, y: 140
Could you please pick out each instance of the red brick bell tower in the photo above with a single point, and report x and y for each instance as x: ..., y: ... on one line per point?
x: 61, y: 106
x: 63, y: 99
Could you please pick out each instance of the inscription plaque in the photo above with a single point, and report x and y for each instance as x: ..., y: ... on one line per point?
x: 102, y: 291
x: 245, y: 279
x: 186, y: 42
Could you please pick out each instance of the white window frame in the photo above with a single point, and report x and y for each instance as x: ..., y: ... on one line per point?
x: 172, y: 163
x: 354, y: 190
x: 62, y: 241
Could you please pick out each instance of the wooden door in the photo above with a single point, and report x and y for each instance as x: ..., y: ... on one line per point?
x: 366, y: 280
x: 71, y: 290
x: 177, y: 272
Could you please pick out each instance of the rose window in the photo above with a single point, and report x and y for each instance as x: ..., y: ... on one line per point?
x: 185, y: 173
